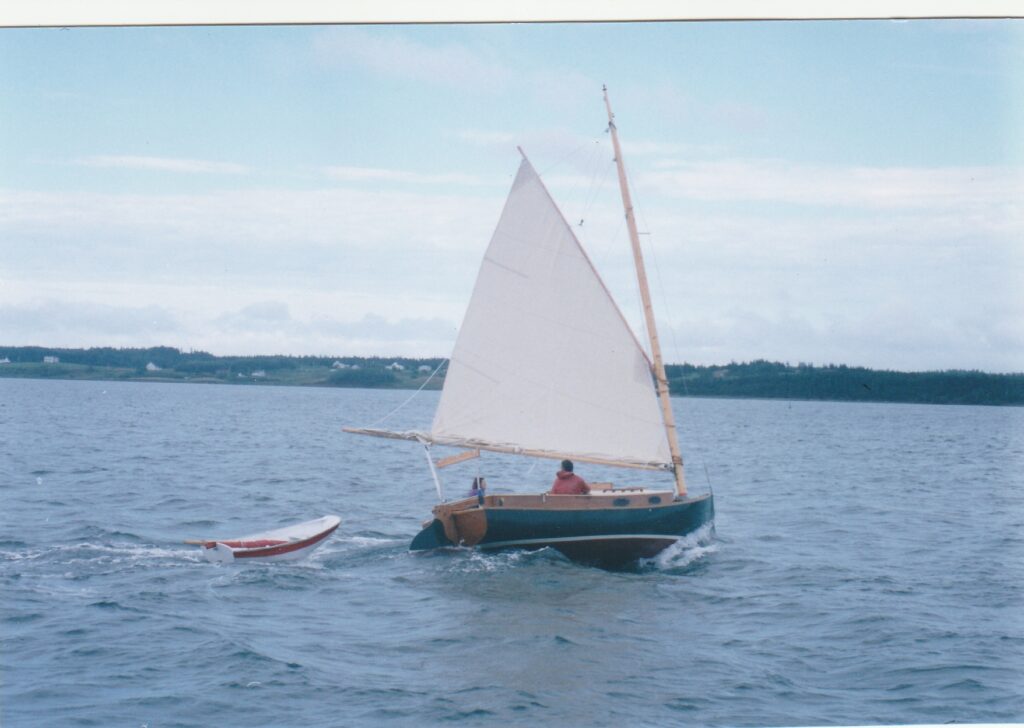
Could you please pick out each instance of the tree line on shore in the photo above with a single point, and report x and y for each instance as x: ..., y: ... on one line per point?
x: 845, y: 383
x: 756, y: 379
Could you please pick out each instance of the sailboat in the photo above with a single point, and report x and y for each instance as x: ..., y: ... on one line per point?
x: 546, y: 366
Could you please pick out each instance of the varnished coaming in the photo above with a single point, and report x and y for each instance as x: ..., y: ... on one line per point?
x: 637, y: 497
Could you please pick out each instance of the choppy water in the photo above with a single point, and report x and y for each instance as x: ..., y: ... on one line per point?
x: 868, y: 567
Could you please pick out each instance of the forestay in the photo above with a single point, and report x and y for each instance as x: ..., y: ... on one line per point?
x: 544, y: 360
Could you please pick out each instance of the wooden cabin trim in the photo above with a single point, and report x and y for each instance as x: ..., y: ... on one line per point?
x: 637, y: 497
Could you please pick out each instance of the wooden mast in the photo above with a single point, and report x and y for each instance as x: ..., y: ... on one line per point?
x: 645, y: 296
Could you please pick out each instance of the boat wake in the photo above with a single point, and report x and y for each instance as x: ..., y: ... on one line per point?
x: 466, y: 560
x: 501, y: 560
x: 342, y: 552
x: 97, y: 553
x: 370, y: 541
x: 685, y: 552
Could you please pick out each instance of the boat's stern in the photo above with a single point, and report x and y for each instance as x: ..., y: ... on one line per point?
x: 457, y: 523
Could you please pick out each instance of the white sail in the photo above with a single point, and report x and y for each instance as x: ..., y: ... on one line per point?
x: 544, y: 360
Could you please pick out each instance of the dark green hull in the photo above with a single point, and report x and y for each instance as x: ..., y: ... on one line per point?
x: 604, y: 536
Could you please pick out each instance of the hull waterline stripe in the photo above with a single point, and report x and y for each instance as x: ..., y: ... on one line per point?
x: 578, y: 539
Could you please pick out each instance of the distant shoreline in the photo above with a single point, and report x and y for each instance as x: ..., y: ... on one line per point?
x: 749, y: 380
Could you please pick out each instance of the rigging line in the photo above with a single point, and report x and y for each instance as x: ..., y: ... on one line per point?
x: 561, y: 160
x: 411, y: 396
x: 592, y: 170
x: 577, y: 183
x: 599, y: 161
x: 602, y: 177
x: 577, y: 186
x: 576, y: 192
x: 600, y: 248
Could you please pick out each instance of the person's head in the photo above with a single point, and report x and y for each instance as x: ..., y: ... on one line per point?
x: 567, y: 466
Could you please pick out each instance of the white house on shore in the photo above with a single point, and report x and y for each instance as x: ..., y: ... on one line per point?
x: 151, y: 367
x: 395, y: 367
x: 51, y: 360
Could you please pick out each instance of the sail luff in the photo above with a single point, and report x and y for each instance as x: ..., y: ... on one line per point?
x: 586, y: 257
x: 652, y: 330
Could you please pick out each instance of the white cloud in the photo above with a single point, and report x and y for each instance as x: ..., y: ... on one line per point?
x: 264, y: 316
x: 643, y: 148
x: 271, y: 324
x: 565, y: 148
x: 487, y: 138
x: 207, y: 228
x: 396, y: 55
x: 270, y: 327
x: 262, y: 327
x: 884, y: 335
x: 662, y: 98
x: 162, y: 164
x: 877, y: 187
x: 375, y: 327
x: 915, y: 268
x: 63, y: 95
x: 374, y: 174
x: 469, y: 68
x: 561, y: 89
x: 213, y: 259
x: 87, y: 323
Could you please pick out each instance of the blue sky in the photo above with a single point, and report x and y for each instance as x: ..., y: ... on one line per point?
x: 844, y: 192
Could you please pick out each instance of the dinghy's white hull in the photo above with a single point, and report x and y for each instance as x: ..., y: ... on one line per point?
x: 282, y: 544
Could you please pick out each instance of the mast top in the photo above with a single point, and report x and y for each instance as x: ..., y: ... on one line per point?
x: 608, y: 105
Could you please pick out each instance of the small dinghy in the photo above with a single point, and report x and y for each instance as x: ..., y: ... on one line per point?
x: 290, y: 542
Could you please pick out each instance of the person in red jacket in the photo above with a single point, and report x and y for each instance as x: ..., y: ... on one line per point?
x: 568, y: 483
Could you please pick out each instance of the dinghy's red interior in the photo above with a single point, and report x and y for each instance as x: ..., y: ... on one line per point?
x: 245, y: 544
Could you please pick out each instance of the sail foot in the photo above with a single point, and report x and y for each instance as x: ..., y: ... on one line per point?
x: 511, y: 449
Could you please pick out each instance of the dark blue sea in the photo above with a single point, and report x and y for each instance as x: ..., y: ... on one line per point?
x: 867, y: 566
